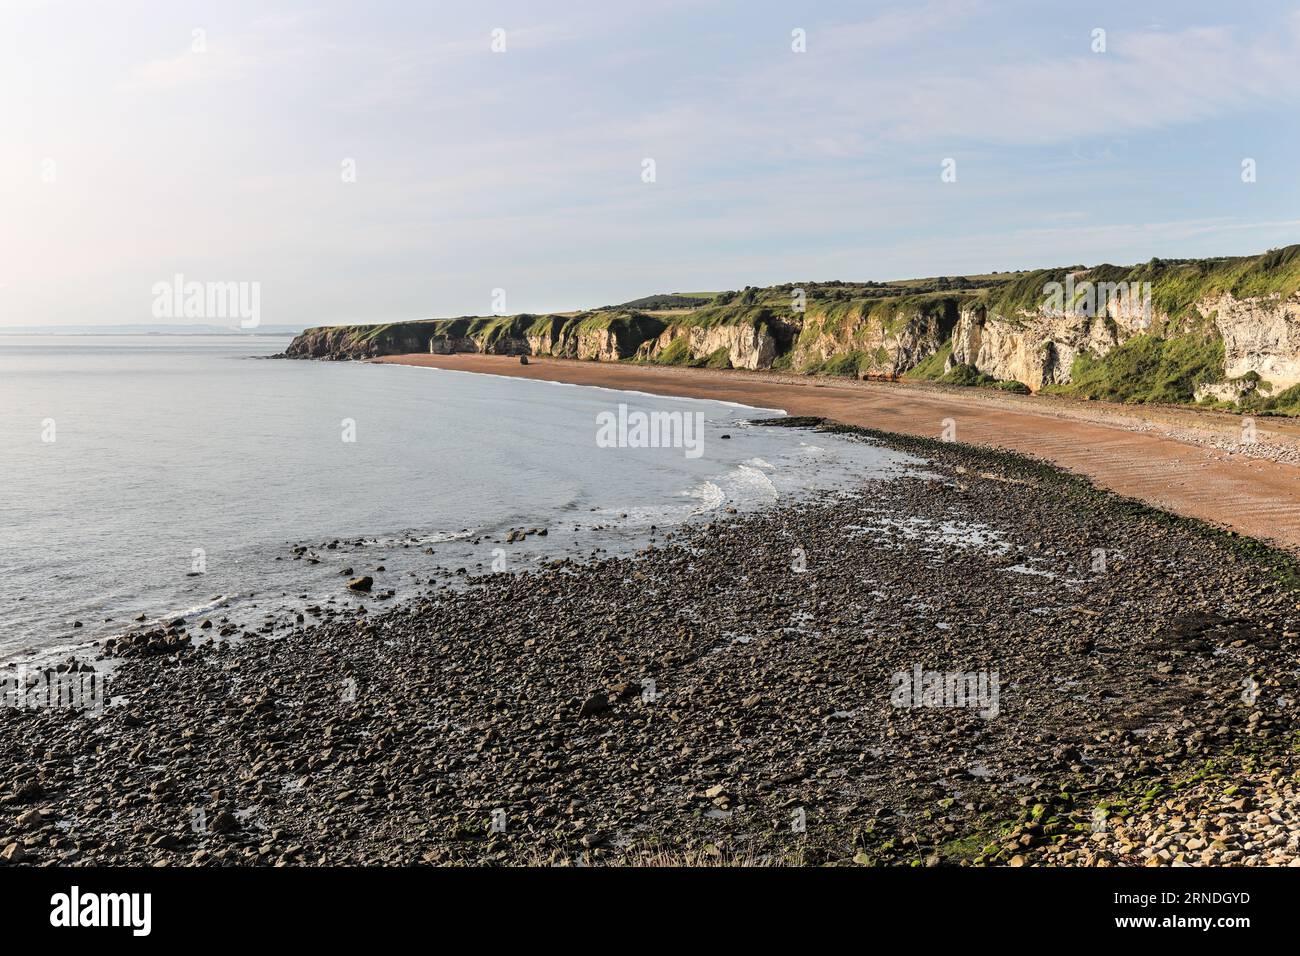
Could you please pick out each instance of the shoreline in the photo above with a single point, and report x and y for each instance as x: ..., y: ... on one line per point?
x: 1178, y: 460
x: 519, y: 721
x: 405, y: 560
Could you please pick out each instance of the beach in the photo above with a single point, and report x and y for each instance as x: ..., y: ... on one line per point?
x: 1191, y: 462
x: 215, y: 486
x: 985, y: 662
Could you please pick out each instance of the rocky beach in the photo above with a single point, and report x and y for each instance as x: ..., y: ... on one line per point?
x: 773, y: 688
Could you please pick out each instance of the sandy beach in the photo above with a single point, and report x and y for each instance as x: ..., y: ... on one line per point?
x: 1186, y: 461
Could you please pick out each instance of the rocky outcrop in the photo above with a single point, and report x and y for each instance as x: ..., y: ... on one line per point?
x: 1260, y: 335
x: 336, y: 343
x: 1036, y: 349
x: 598, y: 336
x: 597, y: 345
x: 746, y: 346
x: 1233, y: 390
x: 884, y: 338
x: 352, y: 342
x: 449, y: 344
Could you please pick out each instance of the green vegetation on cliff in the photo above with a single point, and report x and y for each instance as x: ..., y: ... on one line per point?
x: 1284, y: 403
x: 1176, y: 284
x: 971, y: 377
x: 888, y: 314
x: 1009, y: 327
x: 851, y: 363
x: 1147, y: 369
x: 932, y: 367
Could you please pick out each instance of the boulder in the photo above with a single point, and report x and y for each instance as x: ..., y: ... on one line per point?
x: 13, y: 853
x: 594, y: 706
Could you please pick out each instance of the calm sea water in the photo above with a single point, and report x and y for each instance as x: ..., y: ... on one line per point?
x: 165, y: 475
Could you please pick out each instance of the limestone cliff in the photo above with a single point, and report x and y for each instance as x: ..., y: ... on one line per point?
x: 601, y: 336
x: 875, y: 338
x: 1260, y: 335
x: 1035, y: 348
x: 729, y: 346
x: 1166, y: 330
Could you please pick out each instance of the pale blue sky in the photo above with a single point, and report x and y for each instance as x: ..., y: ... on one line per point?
x: 522, y: 170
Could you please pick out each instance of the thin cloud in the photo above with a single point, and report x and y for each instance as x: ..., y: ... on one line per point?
x: 896, y: 27
x: 1145, y: 81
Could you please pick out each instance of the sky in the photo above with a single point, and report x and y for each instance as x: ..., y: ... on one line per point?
x: 381, y: 161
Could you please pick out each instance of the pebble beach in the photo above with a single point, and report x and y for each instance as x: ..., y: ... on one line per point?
x: 728, y: 696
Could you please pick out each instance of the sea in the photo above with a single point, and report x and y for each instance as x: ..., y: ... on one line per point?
x: 150, y: 477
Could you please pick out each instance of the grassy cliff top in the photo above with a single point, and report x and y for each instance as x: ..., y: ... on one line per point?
x: 493, y: 327
x: 1177, y: 285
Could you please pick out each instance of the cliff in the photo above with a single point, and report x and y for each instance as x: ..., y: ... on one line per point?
x: 603, y: 336
x: 739, y: 336
x: 1215, y: 330
x: 875, y: 338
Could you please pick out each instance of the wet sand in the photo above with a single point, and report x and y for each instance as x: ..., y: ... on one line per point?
x: 1161, y: 466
